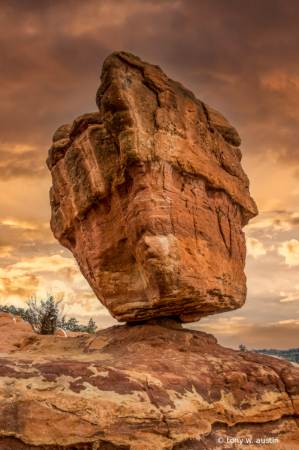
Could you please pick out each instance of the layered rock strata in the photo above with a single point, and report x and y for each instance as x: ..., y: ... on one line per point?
x: 150, y: 197
x: 146, y: 387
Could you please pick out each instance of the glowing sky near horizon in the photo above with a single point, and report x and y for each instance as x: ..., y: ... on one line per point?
x: 239, y: 57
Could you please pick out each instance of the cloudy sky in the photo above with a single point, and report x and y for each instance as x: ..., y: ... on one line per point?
x: 240, y: 57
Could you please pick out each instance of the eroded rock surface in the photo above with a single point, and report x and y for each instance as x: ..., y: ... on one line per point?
x: 15, y: 334
x: 146, y: 387
x: 150, y: 196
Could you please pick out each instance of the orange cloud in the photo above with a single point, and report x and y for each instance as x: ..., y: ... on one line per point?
x: 290, y: 251
x: 255, y: 247
x: 235, y: 331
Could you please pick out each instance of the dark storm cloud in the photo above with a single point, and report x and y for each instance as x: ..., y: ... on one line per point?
x: 292, y: 222
x: 28, y: 163
x: 46, y: 71
x: 241, y: 57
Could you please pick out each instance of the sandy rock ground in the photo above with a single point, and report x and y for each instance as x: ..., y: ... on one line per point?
x: 17, y: 334
x: 141, y: 387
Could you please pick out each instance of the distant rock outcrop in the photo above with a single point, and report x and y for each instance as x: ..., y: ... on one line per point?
x: 17, y: 334
x: 150, y: 196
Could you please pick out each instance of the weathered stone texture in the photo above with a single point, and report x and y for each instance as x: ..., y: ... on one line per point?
x: 150, y: 196
x: 146, y: 387
x: 16, y: 334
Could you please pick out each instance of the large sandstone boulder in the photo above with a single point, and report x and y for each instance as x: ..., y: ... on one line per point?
x: 145, y: 387
x: 150, y: 196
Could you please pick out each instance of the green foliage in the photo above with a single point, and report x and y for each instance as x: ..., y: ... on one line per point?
x: 47, y: 316
x: 242, y: 348
x: 44, y: 318
x: 73, y: 325
x: 291, y: 355
x: 130, y: 55
x: 91, y: 327
x: 15, y: 312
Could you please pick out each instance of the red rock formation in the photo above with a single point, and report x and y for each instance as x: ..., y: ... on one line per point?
x: 13, y: 332
x: 150, y: 196
x: 17, y: 334
x: 146, y: 387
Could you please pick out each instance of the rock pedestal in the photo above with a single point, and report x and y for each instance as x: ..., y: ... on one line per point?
x: 150, y: 196
x: 145, y: 387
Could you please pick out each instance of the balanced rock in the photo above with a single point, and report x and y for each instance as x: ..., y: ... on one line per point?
x: 145, y: 387
x: 150, y: 197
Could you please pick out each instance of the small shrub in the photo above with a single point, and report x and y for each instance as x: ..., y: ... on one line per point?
x: 73, y: 325
x: 91, y: 327
x: 48, y: 316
